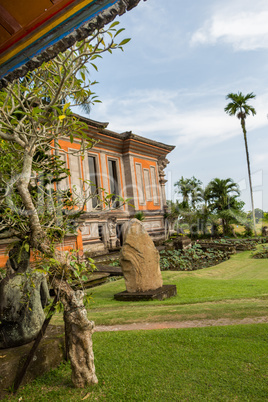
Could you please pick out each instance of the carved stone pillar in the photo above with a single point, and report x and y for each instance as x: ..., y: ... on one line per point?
x: 113, y: 241
x: 162, y: 163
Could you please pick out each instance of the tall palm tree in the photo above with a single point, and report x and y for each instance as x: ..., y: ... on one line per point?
x: 239, y: 107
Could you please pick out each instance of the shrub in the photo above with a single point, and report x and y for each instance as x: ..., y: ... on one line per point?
x: 262, y: 253
x: 191, y: 259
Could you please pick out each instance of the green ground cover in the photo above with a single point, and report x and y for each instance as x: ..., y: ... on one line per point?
x: 196, y: 364
x: 236, y: 288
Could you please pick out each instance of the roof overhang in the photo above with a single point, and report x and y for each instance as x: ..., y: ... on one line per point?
x: 32, y: 32
x: 126, y: 142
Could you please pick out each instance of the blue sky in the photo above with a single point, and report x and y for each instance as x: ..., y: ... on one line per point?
x: 171, y: 81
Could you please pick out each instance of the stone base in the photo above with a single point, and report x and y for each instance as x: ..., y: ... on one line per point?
x: 162, y: 293
x: 49, y: 354
x: 182, y: 243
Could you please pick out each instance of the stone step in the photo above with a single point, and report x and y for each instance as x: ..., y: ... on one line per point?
x: 106, y: 258
x: 110, y: 269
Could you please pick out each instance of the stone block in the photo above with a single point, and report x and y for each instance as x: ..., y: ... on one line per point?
x: 49, y: 354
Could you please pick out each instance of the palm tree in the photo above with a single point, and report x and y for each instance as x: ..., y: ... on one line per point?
x: 196, y: 192
x: 222, y: 194
x: 205, y: 210
x: 184, y: 188
x: 239, y: 107
x: 191, y: 190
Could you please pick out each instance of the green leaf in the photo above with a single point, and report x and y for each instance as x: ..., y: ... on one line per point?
x: 95, y: 56
x: 66, y: 106
x: 114, y: 24
x: 124, y: 41
x: 119, y: 31
x: 94, y: 65
x: 83, y: 75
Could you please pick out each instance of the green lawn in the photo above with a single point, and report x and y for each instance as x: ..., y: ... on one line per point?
x: 236, y: 288
x: 197, y: 364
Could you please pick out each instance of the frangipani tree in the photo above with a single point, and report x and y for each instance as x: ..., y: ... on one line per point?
x: 239, y: 107
x: 34, y: 113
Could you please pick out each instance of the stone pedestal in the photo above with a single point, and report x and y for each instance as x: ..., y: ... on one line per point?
x: 162, y: 293
x: 182, y: 242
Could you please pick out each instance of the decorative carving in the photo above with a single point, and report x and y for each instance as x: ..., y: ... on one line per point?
x: 162, y: 164
x: 112, y: 226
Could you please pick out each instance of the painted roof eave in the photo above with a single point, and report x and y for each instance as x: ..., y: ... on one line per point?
x: 62, y: 37
x: 126, y: 137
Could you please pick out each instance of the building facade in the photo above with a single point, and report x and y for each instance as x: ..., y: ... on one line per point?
x: 125, y: 165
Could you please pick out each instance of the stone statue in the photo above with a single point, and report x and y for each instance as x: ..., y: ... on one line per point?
x: 113, y: 240
x: 139, y: 260
x: 23, y: 295
x: 112, y: 226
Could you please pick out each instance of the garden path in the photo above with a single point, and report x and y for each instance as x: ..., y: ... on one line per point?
x: 181, y: 324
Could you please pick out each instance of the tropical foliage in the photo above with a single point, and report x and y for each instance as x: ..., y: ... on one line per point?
x: 191, y: 191
x: 201, y: 207
x: 191, y: 259
x: 222, y: 195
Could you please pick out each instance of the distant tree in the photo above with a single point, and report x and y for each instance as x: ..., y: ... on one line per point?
x: 205, y: 210
x: 265, y: 216
x: 258, y: 214
x: 191, y: 191
x: 222, y: 195
x: 239, y: 107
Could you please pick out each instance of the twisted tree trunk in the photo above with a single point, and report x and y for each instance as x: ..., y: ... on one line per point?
x: 78, y: 335
x: 77, y: 326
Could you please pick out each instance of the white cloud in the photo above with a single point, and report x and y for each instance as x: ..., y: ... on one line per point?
x: 170, y: 116
x: 243, y: 28
x: 260, y: 160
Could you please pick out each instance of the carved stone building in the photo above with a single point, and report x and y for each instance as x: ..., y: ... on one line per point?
x: 126, y: 165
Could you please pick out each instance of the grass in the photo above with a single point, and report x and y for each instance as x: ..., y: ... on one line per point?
x: 236, y: 288
x: 197, y: 364
x: 194, y: 364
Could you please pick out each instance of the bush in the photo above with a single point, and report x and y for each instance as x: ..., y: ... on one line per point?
x: 248, y: 232
x: 191, y: 259
x: 262, y: 253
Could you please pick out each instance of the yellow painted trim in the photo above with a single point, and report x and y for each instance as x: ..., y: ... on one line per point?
x: 34, y: 38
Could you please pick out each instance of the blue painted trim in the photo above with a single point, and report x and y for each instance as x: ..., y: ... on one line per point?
x: 26, y: 54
